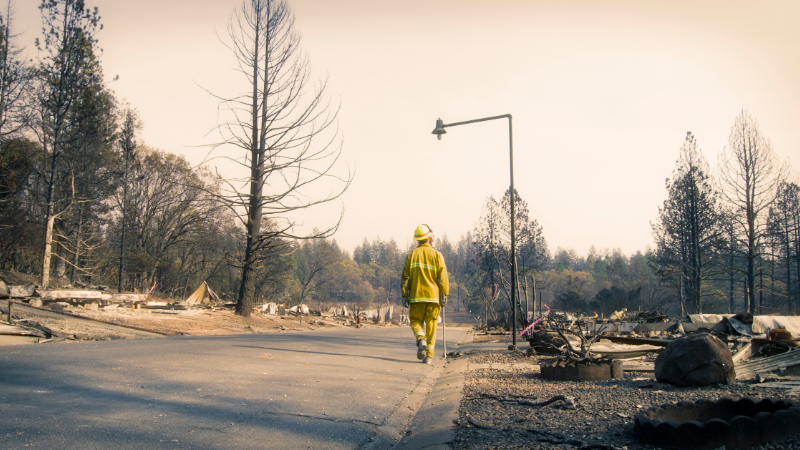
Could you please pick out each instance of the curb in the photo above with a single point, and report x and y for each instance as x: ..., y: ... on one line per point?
x: 433, y: 427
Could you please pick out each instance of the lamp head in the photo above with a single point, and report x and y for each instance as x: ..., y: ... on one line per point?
x: 439, y: 130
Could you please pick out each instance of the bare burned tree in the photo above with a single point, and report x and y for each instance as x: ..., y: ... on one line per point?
x: 286, y: 129
x: 749, y: 176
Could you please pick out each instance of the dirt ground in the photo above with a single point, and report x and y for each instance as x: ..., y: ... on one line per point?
x: 105, y: 325
x: 491, y: 338
x: 206, y: 322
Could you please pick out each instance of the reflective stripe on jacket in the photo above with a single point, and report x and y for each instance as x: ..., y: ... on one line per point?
x: 424, y: 275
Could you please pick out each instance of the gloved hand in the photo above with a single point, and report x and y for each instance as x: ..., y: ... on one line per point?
x: 443, y: 301
x: 406, y: 303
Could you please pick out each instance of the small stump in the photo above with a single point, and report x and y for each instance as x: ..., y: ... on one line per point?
x: 582, y: 370
x: 710, y: 425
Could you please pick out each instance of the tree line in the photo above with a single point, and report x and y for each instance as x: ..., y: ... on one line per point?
x: 725, y: 242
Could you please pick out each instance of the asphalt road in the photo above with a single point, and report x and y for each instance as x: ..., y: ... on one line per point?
x: 343, y: 388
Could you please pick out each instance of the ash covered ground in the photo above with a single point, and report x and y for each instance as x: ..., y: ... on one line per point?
x: 494, y: 413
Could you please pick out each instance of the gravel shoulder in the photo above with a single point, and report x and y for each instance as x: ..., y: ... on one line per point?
x: 494, y: 414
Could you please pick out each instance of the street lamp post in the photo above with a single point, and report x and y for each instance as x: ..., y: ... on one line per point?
x: 439, y: 131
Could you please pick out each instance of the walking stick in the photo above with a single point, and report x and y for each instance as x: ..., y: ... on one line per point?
x: 444, y: 340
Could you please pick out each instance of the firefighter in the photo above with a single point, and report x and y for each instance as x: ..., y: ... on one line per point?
x: 424, y: 289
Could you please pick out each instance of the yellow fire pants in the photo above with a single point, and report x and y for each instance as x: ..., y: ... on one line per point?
x: 424, y: 314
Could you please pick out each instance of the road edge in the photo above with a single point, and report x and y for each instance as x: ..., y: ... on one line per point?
x: 434, y: 415
x: 444, y: 381
x: 433, y: 427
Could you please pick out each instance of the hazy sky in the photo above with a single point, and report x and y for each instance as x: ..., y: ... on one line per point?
x: 602, y: 94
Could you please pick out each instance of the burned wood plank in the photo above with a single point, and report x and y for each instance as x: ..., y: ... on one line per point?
x: 748, y: 369
x: 792, y: 386
x: 639, y: 367
x: 16, y: 330
x: 744, y: 354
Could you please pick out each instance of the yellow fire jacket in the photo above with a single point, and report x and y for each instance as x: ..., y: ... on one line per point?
x: 424, y: 275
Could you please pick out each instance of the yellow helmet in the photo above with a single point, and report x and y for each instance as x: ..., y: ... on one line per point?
x: 422, y: 233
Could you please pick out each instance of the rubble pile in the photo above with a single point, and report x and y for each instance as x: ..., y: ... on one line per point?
x: 702, y: 348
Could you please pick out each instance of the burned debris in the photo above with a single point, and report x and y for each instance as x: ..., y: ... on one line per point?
x: 655, y: 364
x: 705, y: 349
x: 93, y: 312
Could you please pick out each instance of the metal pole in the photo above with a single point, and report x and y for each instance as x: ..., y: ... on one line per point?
x: 513, y: 240
x: 444, y: 339
x: 513, y: 216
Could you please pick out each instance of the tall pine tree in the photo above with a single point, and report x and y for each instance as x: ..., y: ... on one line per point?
x: 687, y: 227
